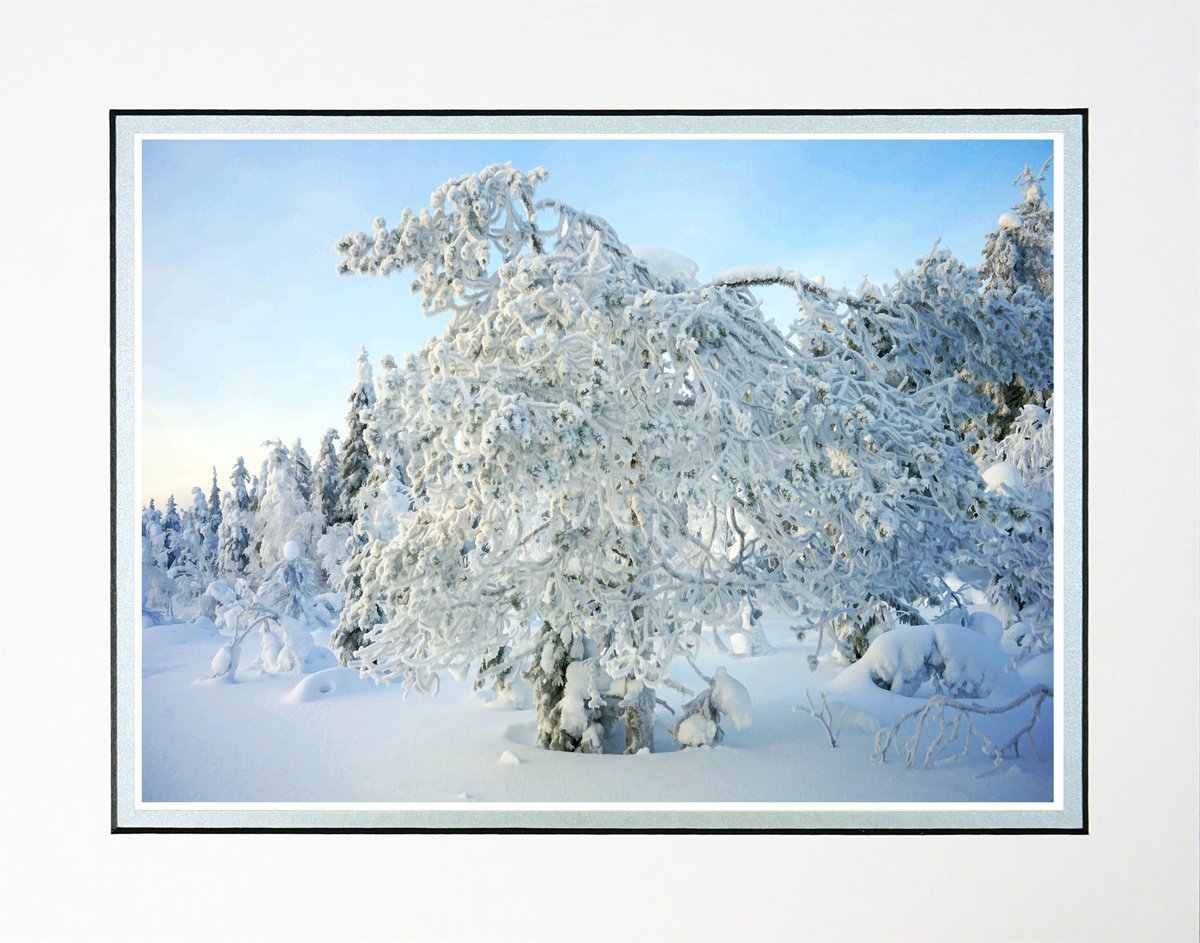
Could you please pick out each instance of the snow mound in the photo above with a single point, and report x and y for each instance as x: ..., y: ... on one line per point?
x: 987, y: 625
x: 1004, y: 478
x: 221, y: 591
x: 956, y: 660
x: 1010, y: 220
x: 318, y: 685
x: 291, y: 550
x: 508, y: 758
x: 667, y: 265
x: 1038, y: 670
x: 328, y: 605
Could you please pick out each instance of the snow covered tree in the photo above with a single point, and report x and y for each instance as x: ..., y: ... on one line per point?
x: 1018, y: 263
x: 303, y: 469
x: 327, y: 480
x: 212, y: 532
x: 285, y: 642
x: 602, y: 462
x: 157, y: 590
x: 258, y: 484
x: 359, y: 613
x: 356, y: 458
x: 290, y: 585
x: 233, y: 551
x: 1020, y: 252
x: 152, y: 527
x: 239, y: 483
x: 234, y: 534
x: 192, y: 568
x: 1021, y: 482
x: 172, y: 527
x: 284, y: 514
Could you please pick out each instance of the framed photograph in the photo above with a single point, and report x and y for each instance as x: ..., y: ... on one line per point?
x: 599, y: 471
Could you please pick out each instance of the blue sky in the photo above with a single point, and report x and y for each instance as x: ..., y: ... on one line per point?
x: 248, y: 333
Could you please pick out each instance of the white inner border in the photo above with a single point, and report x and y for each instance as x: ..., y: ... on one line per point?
x: 1057, y: 804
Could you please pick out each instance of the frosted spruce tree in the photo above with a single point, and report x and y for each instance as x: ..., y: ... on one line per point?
x: 333, y: 545
x: 172, y: 526
x: 302, y: 465
x: 284, y: 514
x: 603, y: 463
x: 1018, y: 262
x: 383, y: 501
x: 327, y: 479
x: 383, y: 497
x: 189, y: 568
x: 233, y: 538
x: 1020, y: 252
x: 1021, y: 509
x: 212, y: 532
x: 157, y: 589
x: 356, y: 459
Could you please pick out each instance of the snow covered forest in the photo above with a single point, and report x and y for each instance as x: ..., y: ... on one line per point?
x: 630, y: 513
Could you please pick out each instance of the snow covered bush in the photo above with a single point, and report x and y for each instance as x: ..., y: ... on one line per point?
x: 937, y: 690
x: 602, y: 463
x: 285, y: 633
x: 700, y: 720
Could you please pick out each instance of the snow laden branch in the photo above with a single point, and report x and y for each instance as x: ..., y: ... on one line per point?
x: 933, y: 327
x: 949, y: 723
x: 598, y: 465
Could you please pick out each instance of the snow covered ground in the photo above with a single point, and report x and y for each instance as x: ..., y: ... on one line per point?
x: 329, y: 736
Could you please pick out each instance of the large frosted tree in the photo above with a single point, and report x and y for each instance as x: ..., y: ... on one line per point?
x: 602, y: 463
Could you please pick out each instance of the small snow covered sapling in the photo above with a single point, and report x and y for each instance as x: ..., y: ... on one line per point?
x: 239, y: 615
x: 570, y: 693
x: 700, y: 720
x: 823, y: 715
x: 497, y: 673
x: 288, y: 590
x: 290, y: 586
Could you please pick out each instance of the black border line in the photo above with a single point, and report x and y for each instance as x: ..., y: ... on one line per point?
x: 112, y: 425
x: 117, y: 829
